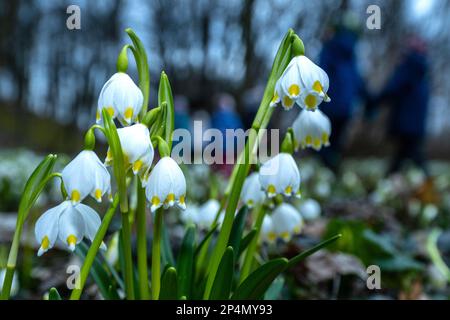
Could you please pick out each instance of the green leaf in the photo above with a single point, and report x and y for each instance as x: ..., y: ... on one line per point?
x: 307, y: 253
x: 205, y: 239
x: 140, y: 56
x: 118, y: 158
x: 185, y: 265
x: 257, y: 283
x: 53, y: 294
x: 224, y: 278
x: 100, y: 274
x: 165, y: 101
x: 274, y: 291
x: 166, y: 252
x: 247, y: 240
x: 169, y: 284
x: 237, y: 229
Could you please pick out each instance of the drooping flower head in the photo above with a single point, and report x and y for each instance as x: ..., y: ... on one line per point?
x: 207, y: 213
x: 86, y: 175
x: 252, y: 191
x: 312, y: 129
x: 286, y: 221
x: 302, y: 82
x: 137, y: 149
x: 310, y: 209
x: 267, y: 233
x: 67, y: 223
x: 166, y: 185
x: 280, y: 175
x: 121, y: 97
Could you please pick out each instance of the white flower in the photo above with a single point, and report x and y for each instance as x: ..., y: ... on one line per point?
x: 310, y: 209
x: 66, y: 223
x: 252, y: 192
x: 86, y: 175
x: 190, y: 214
x: 312, y: 129
x: 14, y: 284
x: 207, y: 213
x: 166, y: 185
x: 121, y: 97
x: 304, y: 83
x: 280, y: 175
x: 137, y: 150
x: 287, y: 221
x: 267, y: 233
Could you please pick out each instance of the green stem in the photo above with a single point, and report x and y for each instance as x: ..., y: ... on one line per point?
x: 126, y: 239
x: 142, y: 243
x: 92, y: 252
x: 435, y: 256
x: 262, y: 118
x: 156, y: 254
x: 248, y: 260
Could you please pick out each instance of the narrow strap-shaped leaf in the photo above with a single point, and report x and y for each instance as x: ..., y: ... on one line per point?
x: 185, y: 265
x: 246, y: 241
x: 224, y: 278
x: 205, y: 239
x: 167, y: 255
x: 237, y: 229
x: 257, y: 283
x: 307, y: 253
x: 53, y: 294
x: 169, y: 284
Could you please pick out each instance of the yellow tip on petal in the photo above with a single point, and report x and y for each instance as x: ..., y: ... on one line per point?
x: 182, y: 199
x: 317, y: 143
x: 97, y: 116
x: 271, y: 190
x: 308, y: 140
x: 98, y: 194
x: 317, y: 86
x: 155, y: 201
x: 288, y: 191
x: 325, y: 138
x: 271, y: 236
x: 275, y: 99
x: 45, y: 243
x: 137, y: 165
x: 71, y: 241
x: 75, y: 196
x: 170, y: 199
x: 110, y: 110
x: 294, y: 90
x: 287, y: 103
x: 285, y: 236
x: 311, y: 101
x: 128, y: 113
x: 297, y: 229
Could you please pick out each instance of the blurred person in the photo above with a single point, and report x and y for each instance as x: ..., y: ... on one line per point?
x: 338, y: 59
x: 223, y: 118
x: 407, y: 93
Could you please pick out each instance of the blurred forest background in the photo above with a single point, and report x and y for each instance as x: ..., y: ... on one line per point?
x: 50, y: 76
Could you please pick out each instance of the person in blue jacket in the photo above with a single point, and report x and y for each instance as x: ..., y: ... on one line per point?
x: 407, y: 93
x: 347, y: 87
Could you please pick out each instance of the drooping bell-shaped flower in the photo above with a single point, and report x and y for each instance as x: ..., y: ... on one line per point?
x: 267, y: 232
x: 286, y: 221
x: 252, y: 192
x: 310, y: 209
x: 312, y: 129
x: 302, y: 82
x: 166, y: 185
x: 67, y: 223
x: 86, y: 175
x: 280, y: 175
x: 121, y: 97
x: 137, y: 149
x: 207, y: 213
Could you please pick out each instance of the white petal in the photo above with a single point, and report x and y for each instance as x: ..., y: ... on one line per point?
x: 47, y: 226
x: 71, y: 227
x: 91, y: 219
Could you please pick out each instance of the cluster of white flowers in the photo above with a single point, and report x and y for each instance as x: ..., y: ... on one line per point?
x: 305, y: 84
x: 85, y: 175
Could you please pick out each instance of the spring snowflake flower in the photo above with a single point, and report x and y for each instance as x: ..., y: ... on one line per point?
x: 310, y: 209
x: 312, y: 129
x: 166, y: 185
x: 207, y: 213
x: 86, y: 175
x: 252, y: 191
x: 121, y: 97
x: 286, y: 221
x: 66, y: 223
x: 267, y: 233
x: 137, y: 150
x: 304, y: 83
x: 280, y: 175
